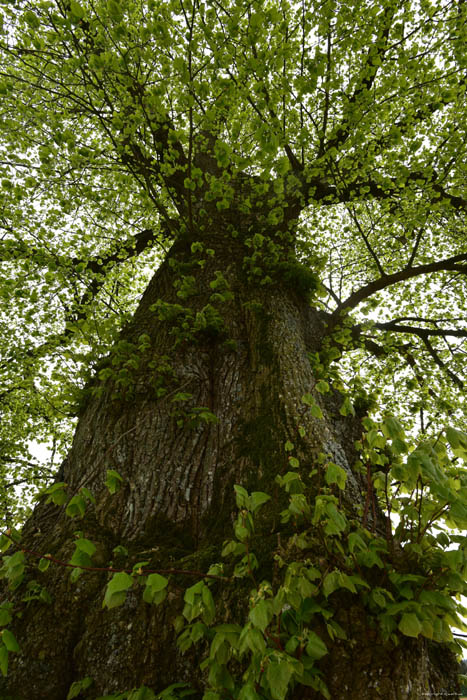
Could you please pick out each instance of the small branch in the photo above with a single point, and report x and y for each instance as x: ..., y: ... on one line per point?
x: 366, y: 241
x: 109, y: 569
x: 442, y: 364
x: 415, y: 248
x: 368, y: 74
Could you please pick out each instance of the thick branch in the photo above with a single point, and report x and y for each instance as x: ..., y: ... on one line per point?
x: 388, y: 280
x: 421, y: 332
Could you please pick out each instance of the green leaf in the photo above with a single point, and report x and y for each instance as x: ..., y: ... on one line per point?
x: 356, y: 542
x: 458, y: 441
x: 76, y: 508
x: 248, y: 693
x: 85, y: 546
x: 315, y: 647
x: 9, y: 640
x: 392, y: 428
x: 115, y: 593
x: 3, y: 659
x: 331, y: 582
x: 155, y: 590
x: 337, y: 522
x: 347, y: 408
x: 410, y: 625
x: 322, y: 387
x: 335, y: 475
x: 5, y: 543
x: 252, y: 638
x: 182, y: 690
x: 33, y: 20
x: 193, y: 591
x: 241, y: 496
x: 5, y: 613
x: 78, y: 11
x: 113, y: 481
x: 261, y: 614
x: 57, y: 494
x: 43, y: 564
x: 209, y: 605
x: 399, y: 446
x: 316, y: 411
x: 142, y: 693
x: 278, y: 675
x: 13, y: 568
x: 78, y: 686
x: 258, y: 498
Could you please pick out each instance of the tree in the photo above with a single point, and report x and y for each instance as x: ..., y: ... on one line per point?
x: 287, y: 180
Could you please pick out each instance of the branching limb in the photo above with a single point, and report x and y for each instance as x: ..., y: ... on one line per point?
x: 351, y: 211
x: 352, y: 301
x: 372, y: 61
x: 422, y: 332
x: 442, y: 364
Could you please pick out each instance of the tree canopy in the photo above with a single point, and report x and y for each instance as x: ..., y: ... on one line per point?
x: 126, y: 126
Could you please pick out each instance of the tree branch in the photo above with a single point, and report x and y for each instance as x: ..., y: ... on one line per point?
x: 442, y: 364
x: 388, y: 280
x: 421, y: 332
x: 375, y: 53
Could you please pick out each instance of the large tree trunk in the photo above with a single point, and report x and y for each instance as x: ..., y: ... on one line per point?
x: 176, y: 505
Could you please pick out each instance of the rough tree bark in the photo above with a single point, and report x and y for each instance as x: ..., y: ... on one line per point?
x: 176, y: 505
